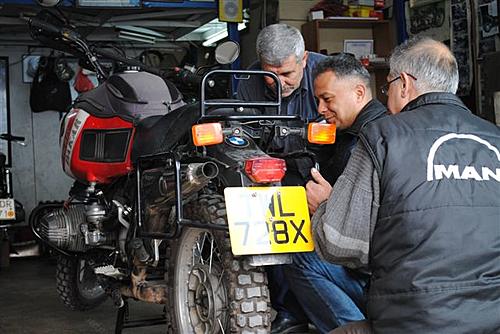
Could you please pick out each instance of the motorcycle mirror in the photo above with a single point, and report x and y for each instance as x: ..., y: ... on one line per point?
x: 48, y: 3
x: 227, y: 52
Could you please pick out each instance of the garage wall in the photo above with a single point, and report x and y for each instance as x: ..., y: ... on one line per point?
x: 36, y: 169
x: 294, y: 12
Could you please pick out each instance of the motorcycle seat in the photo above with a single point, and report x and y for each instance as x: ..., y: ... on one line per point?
x: 131, y: 96
x: 158, y: 134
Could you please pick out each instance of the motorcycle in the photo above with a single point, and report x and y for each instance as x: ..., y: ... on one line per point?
x: 173, y: 203
x: 11, y: 210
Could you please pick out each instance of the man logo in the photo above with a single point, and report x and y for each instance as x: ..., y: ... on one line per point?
x: 438, y: 172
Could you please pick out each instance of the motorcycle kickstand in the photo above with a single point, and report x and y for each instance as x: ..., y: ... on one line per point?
x: 123, y: 321
x: 121, y: 317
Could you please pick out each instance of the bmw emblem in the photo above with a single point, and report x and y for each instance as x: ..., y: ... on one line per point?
x: 236, y: 141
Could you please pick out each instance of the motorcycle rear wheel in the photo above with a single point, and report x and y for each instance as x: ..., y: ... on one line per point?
x: 211, y: 290
x: 77, y: 284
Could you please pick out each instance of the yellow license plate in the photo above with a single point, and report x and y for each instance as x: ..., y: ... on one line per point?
x: 7, y: 209
x: 268, y: 220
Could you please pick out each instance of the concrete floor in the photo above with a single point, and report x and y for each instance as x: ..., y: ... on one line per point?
x: 29, y: 304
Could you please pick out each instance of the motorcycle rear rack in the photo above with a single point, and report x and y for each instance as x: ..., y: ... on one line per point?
x: 206, y: 105
x: 179, y: 214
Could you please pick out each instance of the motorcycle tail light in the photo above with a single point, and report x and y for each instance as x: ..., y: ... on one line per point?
x: 321, y: 133
x: 207, y: 134
x: 265, y: 170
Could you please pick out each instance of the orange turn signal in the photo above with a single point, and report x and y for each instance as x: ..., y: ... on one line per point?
x: 321, y: 133
x: 207, y: 134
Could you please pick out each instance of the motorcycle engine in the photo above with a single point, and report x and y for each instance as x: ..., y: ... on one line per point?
x: 76, y: 228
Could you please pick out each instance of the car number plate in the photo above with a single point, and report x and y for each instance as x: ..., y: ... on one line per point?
x: 268, y: 220
x: 7, y: 209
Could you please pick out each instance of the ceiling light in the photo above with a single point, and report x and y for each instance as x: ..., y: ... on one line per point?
x: 136, y: 37
x: 139, y: 34
x: 221, y: 35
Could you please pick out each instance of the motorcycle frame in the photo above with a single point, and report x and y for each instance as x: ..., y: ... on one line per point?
x: 180, y: 221
x: 205, y: 105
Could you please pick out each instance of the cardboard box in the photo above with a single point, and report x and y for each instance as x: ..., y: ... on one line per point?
x: 359, y: 11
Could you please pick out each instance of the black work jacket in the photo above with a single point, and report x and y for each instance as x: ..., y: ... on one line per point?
x: 435, y: 250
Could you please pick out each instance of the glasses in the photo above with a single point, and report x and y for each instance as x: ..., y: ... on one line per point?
x: 385, y: 88
x: 348, y: 54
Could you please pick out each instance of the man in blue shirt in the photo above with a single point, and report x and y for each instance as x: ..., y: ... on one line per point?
x: 293, y: 65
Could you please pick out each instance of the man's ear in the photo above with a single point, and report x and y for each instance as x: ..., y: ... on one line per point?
x: 304, y: 59
x: 407, y: 85
x: 360, y: 92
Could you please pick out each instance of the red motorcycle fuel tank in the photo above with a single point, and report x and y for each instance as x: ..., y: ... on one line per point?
x: 95, y: 149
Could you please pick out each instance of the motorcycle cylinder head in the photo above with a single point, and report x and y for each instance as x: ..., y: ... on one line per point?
x: 61, y: 228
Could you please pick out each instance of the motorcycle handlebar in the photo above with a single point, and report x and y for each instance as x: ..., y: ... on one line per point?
x: 127, y: 61
x: 69, y: 34
x: 72, y: 35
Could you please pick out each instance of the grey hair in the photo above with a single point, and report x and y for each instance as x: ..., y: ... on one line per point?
x: 430, y: 61
x: 343, y: 65
x: 278, y: 42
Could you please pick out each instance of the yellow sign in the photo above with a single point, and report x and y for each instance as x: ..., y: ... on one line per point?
x: 231, y: 10
x: 7, y: 209
x: 268, y: 220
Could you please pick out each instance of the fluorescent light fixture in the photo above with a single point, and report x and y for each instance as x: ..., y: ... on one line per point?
x: 136, y: 37
x: 210, y: 32
x: 210, y: 40
x: 215, y: 38
x: 109, y: 3
x: 139, y: 34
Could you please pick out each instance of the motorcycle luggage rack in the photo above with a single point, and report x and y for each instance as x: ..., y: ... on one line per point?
x: 205, y: 104
x: 204, y: 107
x: 180, y: 220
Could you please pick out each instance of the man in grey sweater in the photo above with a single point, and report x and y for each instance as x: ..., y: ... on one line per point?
x: 342, y: 88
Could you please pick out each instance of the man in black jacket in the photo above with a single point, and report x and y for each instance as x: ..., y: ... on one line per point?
x: 428, y: 180
x: 330, y: 294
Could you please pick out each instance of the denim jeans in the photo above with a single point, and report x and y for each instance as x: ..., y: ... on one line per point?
x: 283, y: 299
x: 330, y: 294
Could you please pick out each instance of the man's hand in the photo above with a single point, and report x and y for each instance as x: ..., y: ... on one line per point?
x: 317, y: 190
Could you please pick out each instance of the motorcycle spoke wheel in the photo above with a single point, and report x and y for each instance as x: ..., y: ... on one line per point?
x: 77, y: 284
x: 87, y: 283
x: 206, y: 293
x: 211, y: 290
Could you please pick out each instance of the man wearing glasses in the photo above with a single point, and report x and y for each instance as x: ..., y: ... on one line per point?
x: 418, y: 203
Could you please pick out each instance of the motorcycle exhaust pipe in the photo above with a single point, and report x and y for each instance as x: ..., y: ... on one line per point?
x: 198, y: 173
x: 194, y: 177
